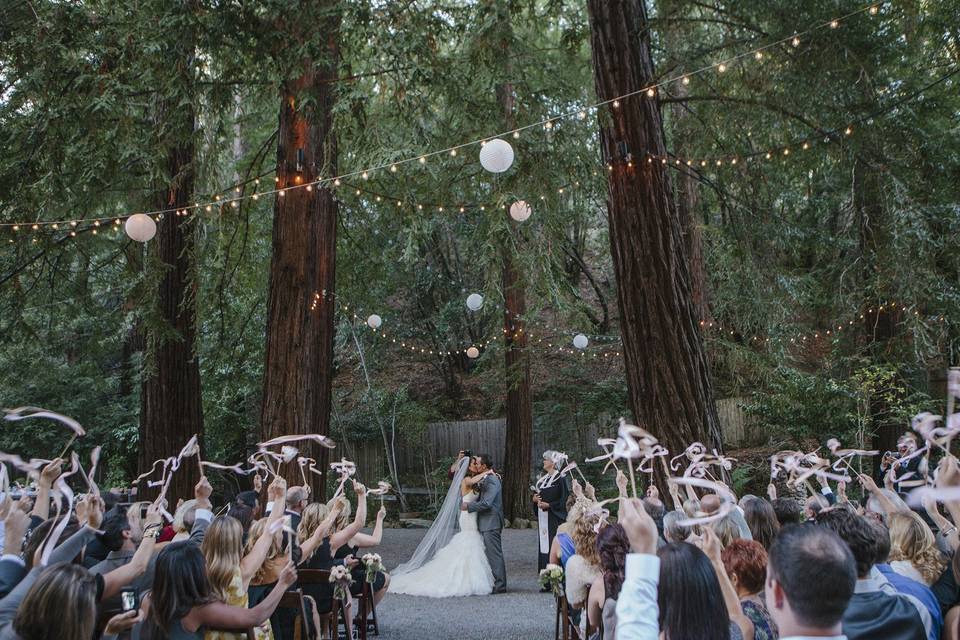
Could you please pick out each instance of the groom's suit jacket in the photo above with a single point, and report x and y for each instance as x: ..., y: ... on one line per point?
x: 489, y: 508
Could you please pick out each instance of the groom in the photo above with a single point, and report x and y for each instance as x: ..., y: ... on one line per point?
x: 489, y: 510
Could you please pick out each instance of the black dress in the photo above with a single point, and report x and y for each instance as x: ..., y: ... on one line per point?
x: 556, y: 496
x: 359, y: 572
x: 321, y: 593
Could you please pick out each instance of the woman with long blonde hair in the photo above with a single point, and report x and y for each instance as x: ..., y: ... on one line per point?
x: 229, y: 569
x: 913, y: 549
x: 584, y: 566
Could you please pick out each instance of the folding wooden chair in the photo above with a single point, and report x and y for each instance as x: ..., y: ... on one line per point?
x: 294, y: 600
x: 338, y: 611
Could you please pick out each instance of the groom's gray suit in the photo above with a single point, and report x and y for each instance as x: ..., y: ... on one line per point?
x: 489, y: 510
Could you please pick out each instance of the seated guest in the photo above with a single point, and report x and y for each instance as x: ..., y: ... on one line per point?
x: 584, y: 566
x: 905, y: 585
x: 787, y: 510
x: 673, y: 532
x: 913, y: 548
x: 250, y: 499
x: 183, y: 519
x: 242, y: 514
x: 812, y: 506
x: 562, y: 547
x: 638, y: 611
x: 181, y: 604
x: 296, y: 502
x: 746, y: 565
x: 654, y: 507
x: 612, y: 547
x: 811, y: 576
x: 727, y: 529
x: 876, y: 610
x: 762, y: 521
x: 353, y: 549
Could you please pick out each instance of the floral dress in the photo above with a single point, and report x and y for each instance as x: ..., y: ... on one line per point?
x: 764, y: 628
x: 237, y: 596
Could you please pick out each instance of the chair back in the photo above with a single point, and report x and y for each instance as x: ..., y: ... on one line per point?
x: 313, y: 576
x: 294, y: 600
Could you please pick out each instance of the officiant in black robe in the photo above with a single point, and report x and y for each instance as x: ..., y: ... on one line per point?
x: 550, y: 501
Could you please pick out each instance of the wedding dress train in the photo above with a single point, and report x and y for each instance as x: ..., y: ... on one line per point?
x: 458, y: 569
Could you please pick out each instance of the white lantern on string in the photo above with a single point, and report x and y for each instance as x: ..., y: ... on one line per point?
x: 140, y: 227
x: 374, y: 321
x: 474, y: 301
x: 520, y: 210
x: 580, y: 341
x: 473, y: 353
x: 496, y: 155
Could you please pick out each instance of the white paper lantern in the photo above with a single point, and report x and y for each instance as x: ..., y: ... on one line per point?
x: 374, y: 321
x: 580, y: 341
x: 473, y: 353
x: 140, y: 227
x: 520, y: 210
x: 496, y: 155
x: 474, y: 301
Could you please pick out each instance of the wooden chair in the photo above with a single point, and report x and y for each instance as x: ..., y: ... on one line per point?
x: 338, y: 613
x: 366, y: 612
x: 294, y: 600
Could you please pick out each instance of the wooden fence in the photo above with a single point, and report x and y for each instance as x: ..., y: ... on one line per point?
x: 444, y: 439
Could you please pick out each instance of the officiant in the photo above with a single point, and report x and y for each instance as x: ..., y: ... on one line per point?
x: 550, y: 501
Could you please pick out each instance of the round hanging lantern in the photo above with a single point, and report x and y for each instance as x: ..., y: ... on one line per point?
x: 473, y: 353
x: 520, y: 210
x: 496, y: 155
x: 580, y: 341
x: 474, y: 301
x: 374, y: 321
x: 140, y: 227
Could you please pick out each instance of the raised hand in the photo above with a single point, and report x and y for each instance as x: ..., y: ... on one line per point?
x: 122, y: 622
x: 382, y: 513
x: 277, y: 489
x: 201, y: 492
x: 621, y: 482
x: 154, y: 517
x: 94, y: 511
x: 360, y: 489
x: 15, y: 527
x: 868, y: 483
x: 257, y: 483
x: 772, y: 492
x: 653, y: 491
x: 50, y: 473
x: 288, y: 576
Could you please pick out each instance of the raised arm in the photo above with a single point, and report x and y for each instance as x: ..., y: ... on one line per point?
x: 223, y: 616
x: 471, y: 481
x: 310, y: 545
x: 114, y: 581
x: 885, y: 502
x: 49, y: 475
x: 341, y: 538
x: 251, y: 563
x: 712, y: 547
x: 364, y: 540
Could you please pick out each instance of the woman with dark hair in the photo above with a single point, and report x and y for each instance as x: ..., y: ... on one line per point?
x: 181, y: 604
x: 613, y: 547
x: 746, y: 564
x: 695, y: 599
x: 762, y: 520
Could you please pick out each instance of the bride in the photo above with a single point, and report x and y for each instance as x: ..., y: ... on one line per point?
x: 448, y: 563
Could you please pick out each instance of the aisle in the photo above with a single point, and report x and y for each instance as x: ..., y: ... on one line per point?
x: 522, y: 613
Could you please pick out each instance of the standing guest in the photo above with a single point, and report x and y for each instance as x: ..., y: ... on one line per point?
x: 182, y: 606
x: 811, y: 576
x: 876, y: 610
x: 563, y: 548
x: 550, y: 501
x: 762, y: 520
x: 612, y: 546
x: 746, y: 564
x: 894, y: 465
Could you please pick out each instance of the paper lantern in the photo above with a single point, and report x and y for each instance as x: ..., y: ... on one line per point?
x: 473, y: 353
x: 496, y: 155
x: 374, y: 321
x: 140, y: 227
x: 580, y: 341
x: 474, y: 301
x: 520, y: 210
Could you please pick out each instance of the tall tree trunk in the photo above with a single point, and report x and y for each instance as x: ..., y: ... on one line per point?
x: 298, y: 371
x: 171, y: 407
x: 668, y: 380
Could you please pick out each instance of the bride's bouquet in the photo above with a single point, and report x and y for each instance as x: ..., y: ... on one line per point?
x: 373, y: 564
x: 552, y: 578
x: 341, y: 580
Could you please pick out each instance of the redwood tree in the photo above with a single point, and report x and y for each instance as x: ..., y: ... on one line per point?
x: 298, y: 370
x: 171, y: 407
x: 668, y: 380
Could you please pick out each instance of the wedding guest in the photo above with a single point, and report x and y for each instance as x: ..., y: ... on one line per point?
x: 673, y: 532
x: 584, y: 566
x: 746, y: 564
x: 762, y: 521
x: 875, y: 610
x: 550, y: 501
x: 250, y: 499
x: 612, y: 547
x: 905, y: 585
x: 727, y: 529
x: 811, y: 576
x: 563, y: 548
x: 913, y: 548
x: 655, y: 508
x: 900, y: 464
x: 296, y: 502
x: 183, y: 519
x: 229, y: 570
x: 181, y: 604
x: 787, y: 510
x: 638, y: 611
x: 353, y: 549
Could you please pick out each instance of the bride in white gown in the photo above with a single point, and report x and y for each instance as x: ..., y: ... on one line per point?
x: 448, y: 563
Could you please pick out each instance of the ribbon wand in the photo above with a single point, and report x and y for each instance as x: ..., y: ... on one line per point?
x: 69, y: 444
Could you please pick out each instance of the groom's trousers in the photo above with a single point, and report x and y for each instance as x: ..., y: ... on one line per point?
x: 494, y: 551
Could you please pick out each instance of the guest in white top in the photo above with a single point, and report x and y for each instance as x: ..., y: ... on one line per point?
x: 811, y: 575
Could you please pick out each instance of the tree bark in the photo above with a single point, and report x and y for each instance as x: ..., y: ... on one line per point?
x: 668, y: 380
x: 298, y: 371
x: 171, y: 405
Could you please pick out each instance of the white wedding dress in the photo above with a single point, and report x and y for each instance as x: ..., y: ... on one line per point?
x: 458, y: 569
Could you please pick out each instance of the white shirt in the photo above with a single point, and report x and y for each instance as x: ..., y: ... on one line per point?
x: 638, y: 615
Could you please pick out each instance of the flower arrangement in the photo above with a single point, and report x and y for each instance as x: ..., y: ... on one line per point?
x: 552, y: 578
x: 341, y: 580
x: 373, y: 564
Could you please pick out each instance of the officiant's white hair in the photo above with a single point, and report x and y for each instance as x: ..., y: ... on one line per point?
x: 557, y: 457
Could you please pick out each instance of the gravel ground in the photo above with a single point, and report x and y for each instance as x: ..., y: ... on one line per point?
x: 521, y: 613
